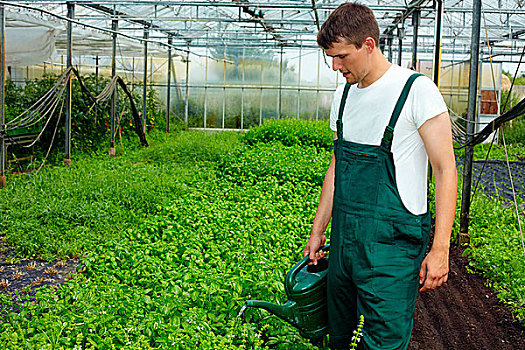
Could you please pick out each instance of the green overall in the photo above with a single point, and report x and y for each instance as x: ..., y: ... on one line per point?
x: 376, y: 244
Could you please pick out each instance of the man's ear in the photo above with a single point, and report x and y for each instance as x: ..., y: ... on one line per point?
x: 370, y: 44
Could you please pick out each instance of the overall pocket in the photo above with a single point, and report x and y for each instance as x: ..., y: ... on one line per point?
x: 357, y: 178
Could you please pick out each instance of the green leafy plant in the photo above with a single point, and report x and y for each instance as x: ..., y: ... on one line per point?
x: 358, y: 333
x: 174, y: 238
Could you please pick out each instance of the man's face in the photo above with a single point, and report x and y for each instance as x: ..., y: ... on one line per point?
x: 349, y: 60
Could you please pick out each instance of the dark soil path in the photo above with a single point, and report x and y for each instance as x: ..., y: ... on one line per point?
x: 464, y: 314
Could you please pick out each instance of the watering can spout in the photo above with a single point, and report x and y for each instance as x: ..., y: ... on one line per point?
x: 305, y: 286
x: 285, y: 312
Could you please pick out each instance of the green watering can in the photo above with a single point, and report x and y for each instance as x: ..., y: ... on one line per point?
x: 306, y: 306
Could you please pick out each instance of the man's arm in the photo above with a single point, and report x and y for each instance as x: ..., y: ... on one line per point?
x: 322, y: 216
x: 437, y: 136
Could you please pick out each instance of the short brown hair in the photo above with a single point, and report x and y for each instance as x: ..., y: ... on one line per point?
x: 350, y: 21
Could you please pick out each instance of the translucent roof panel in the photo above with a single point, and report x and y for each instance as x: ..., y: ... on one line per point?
x: 274, y: 24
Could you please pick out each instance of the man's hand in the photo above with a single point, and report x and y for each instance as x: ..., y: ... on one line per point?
x: 315, y: 243
x: 434, y: 270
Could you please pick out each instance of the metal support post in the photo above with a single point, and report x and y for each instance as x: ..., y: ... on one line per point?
x: 438, y: 42
x: 415, y: 25
x: 224, y: 88
x: 280, y: 84
x: 145, y: 80
x: 187, y: 97
x: 114, y: 27
x: 71, y: 15
x: 151, y: 79
x: 299, y: 83
x: 464, y: 237
x: 132, y: 73
x: 96, y: 87
x: 3, y: 152
x: 206, y: 84
x: 400, y: 36
x: 242, y: 89
x: 168, y: 91
x: 390, y: 40
x: 261, y: 92
x: 317, y: 85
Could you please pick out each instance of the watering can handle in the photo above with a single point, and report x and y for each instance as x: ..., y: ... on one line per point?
x: 290, y: 276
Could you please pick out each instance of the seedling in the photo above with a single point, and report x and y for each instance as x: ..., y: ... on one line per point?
x: 60, y: 264
x: 38, y: 281
x: 31, y: 266
x: 17, y: 275
x: 50, y: 271
x: 4, y: 283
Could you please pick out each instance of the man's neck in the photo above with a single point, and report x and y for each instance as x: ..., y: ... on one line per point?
x: 378, y: 66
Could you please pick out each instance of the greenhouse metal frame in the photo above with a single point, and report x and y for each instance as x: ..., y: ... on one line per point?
x: 189, y: 31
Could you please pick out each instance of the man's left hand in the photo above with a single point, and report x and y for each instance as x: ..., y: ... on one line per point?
x: 434, y: 270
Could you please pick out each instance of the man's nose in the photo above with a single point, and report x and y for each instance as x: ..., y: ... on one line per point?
x: 336, y: 64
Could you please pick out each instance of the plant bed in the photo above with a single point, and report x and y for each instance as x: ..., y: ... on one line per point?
x: 464, y: 314
x: 21, y: 277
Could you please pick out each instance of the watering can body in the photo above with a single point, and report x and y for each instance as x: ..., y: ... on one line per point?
x: 306, y: 308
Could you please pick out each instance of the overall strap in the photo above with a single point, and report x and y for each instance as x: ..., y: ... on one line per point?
x: 339, y: 122
x: 388, y: 135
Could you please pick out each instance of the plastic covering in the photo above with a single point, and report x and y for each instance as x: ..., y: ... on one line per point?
x: 29, y: 39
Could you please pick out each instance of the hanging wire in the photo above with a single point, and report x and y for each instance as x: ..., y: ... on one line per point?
x: 494, y: 134
x: 504, y: 144
x: 513, y: 191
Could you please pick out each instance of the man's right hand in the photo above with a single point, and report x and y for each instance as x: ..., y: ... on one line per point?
x: 315, y: 243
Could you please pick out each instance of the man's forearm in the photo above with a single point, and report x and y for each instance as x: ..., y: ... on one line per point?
x: 324, y: 209
x: 445, y: 197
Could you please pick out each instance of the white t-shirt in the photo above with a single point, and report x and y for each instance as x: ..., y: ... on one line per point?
x: 367, y: 113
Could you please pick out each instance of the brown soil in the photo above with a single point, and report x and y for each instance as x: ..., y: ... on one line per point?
x: 25, y: 276
x: 464, y: 314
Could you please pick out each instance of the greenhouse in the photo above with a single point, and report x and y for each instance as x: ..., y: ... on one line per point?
x: 161, y: 164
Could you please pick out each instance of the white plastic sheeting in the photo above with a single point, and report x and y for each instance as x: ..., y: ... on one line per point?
x: 33, y: 39
x: 28, y: 39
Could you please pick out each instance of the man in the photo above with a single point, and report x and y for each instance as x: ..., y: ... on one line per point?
x: 387, y: 125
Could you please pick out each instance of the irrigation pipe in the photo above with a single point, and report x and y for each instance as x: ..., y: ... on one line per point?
x: 36, y: 107
x: 51, y: 112
x: 53, y: 138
